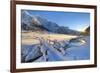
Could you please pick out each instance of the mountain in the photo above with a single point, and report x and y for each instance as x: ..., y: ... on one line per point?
x: 32, y: 22
x: 37, y: 23
x: 66, y: 30
x: 87, y: 30
x: 29, y: 22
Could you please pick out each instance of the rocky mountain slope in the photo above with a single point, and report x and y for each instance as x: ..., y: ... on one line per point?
x: 37, y: 23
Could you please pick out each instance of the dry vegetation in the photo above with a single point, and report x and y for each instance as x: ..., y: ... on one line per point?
x: 29, y: 37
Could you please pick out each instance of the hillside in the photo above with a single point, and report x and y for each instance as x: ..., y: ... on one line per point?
x: 37, y: 23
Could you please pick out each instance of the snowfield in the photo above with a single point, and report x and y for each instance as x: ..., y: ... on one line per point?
x: 80, y: 52
x: 51, y: 49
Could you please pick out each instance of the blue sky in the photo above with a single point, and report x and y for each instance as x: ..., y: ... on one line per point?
x: 73, y: 20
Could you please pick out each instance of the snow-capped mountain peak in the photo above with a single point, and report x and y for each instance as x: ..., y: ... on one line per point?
x: 33, y: 22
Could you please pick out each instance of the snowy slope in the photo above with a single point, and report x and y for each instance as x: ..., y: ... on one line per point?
x: 48, y: 53
x: 80, y: 52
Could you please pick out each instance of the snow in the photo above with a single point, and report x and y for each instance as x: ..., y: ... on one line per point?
x: 47, y: 52
x: 80, y: 52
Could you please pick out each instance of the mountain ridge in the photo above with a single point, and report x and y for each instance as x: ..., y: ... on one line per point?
x: 34, y: 23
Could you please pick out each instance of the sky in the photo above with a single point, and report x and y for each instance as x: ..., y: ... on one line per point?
x: 74, y: 20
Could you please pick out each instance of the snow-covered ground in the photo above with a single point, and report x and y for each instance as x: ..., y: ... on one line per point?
x: 80, y: 52
x: 76, y: 50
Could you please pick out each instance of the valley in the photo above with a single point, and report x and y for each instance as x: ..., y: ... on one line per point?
x: 43, y: 40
